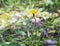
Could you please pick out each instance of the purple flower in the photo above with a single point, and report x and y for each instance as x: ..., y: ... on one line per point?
x: 50, y: 42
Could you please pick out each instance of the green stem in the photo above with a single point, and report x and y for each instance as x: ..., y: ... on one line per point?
x: 34, y: 18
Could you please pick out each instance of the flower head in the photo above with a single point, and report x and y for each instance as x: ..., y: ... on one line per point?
x: 33, y: 11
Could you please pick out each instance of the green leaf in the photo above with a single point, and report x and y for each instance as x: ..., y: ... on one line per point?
x: 20, y: 32
x: 23, y: 45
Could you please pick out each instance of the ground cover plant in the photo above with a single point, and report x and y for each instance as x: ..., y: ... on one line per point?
x: 29, y: 22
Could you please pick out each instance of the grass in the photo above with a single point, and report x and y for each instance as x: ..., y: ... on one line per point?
x: 20, y: 27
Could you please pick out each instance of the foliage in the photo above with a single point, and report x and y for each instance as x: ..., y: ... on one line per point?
x: 22, y: 22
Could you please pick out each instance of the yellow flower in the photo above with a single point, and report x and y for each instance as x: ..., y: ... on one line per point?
x: 6, y: 16
x: 33, y: 11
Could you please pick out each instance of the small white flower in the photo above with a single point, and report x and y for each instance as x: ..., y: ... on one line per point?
x: 17, y: 14
x: 46, y: 17
x: 37, y: 20
x: 14, y: 19
x: 33, y: 20
x: 10, y: 6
